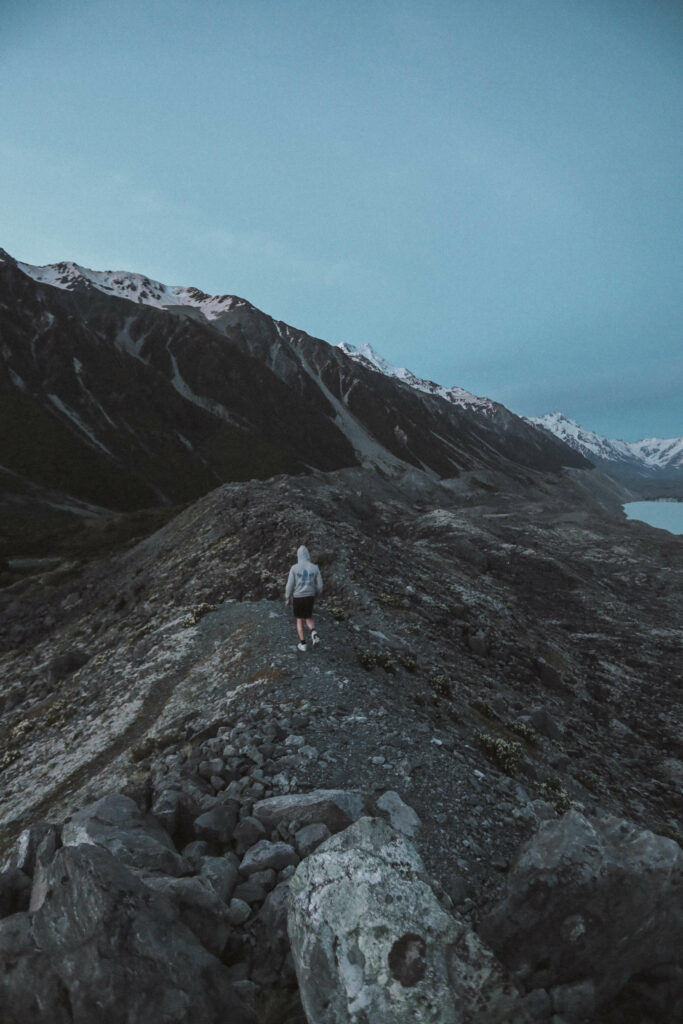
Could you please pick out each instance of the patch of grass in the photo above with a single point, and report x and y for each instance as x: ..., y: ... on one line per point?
x: 338, y: 613
x: 556, y: 795
x: 390, y: 600
x: 197, y: 614
x: 408, y: 662
x: 504, y: 754
x: 525, y: 731
x: 369, y: 659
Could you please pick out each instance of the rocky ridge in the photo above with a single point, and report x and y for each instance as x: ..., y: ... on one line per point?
x: 495, y: 657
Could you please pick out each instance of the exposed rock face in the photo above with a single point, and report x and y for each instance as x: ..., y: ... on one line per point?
x: 104, y: 947
x: 590, y: 905
x: 334, y: 808
x: 116, y: 824
x: 371, y: 942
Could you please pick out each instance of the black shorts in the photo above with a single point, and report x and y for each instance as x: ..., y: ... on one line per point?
x: 303, y: 607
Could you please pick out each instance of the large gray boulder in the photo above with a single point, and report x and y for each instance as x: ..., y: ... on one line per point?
x: 117, y: 824
x: 104, y: 947
x: 590, y: 904
x: 336, y: 808
x: 370, y: 941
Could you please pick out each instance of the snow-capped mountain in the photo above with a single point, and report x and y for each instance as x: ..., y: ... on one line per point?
x: 123, y: 392
x: 366, y: 355
x: 652, y: 459
x: 134, y: 287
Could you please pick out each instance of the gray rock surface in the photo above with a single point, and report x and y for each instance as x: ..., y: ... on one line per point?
x: 264, y: 855
x: 371, y: 943
x: 332, y: 807
x: 104, y: 947
x: 590, y: 904
x: 116, y: 824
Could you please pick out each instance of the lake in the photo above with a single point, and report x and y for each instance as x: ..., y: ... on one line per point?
x: 667, y: 515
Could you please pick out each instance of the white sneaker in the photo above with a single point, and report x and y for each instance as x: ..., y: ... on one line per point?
x: 315, y: 639
x: 301, y: 647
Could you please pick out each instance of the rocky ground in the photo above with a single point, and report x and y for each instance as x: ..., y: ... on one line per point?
x: 494, y: 654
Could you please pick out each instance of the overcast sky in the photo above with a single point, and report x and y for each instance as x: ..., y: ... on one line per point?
x: 486, y: 191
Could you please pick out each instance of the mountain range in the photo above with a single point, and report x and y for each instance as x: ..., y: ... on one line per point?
x: 652, y: 466
x: 122, y: 393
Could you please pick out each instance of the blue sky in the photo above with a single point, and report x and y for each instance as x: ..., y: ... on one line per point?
x: 486, y: 191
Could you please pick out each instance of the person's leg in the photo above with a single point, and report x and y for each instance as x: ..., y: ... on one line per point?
x: 300, y: 630
x: 311, y: 624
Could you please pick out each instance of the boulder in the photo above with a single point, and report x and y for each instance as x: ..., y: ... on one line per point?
x: 198, y: 907
x: 401, y: 817
x: 370, y: 941
x: 220, y: 874
x: 264, y: 855
x: 590, y: 904
x: 104, y: 947
x: 117, y: 824
x: 309, y: 837
x: 247, y: 832
x: 218, y: 824
x: 336, y: 808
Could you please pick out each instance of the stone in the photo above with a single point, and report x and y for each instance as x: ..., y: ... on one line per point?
x: 247, y: 832
x: 478, y: 643
x: 117, y: 824
x: 265, y: 854
x: 218, y: 824
x: 336, y: 808
x: 590, y: 904
x: 198, y: 907
x: 264, y: 878
x: 250, y: 892
x: 103, y: 946
x: 195, y: 851
x: 220, y: 874
x: 401, y: 817
x: 63, y: 665
x: 24, y: 853
x: 212, y: 767
x: 166, y: 810
x: 310, y: 837
x: 545, y: 724
x: 370, y: 941
x: 238, y: 911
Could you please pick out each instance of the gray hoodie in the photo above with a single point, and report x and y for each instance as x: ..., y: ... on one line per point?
x: 304, y: 577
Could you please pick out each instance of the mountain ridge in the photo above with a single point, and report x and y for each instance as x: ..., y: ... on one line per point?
x: 126, y: 393
x: 648, y: 463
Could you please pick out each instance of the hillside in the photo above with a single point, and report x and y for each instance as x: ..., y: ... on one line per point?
x: 494, y: 653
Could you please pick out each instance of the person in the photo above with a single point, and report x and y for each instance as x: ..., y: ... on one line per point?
x: 304, y: 584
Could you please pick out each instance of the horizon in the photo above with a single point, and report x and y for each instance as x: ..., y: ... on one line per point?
x: 488, y: 196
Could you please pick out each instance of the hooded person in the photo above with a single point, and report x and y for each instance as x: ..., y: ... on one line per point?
x: 303, y: 585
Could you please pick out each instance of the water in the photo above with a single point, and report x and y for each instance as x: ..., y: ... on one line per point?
x: 667, y: 515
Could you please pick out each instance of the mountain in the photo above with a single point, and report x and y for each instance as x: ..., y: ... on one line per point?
x: 505, y: 663
x: 653, y: 466
x: 123, y: 393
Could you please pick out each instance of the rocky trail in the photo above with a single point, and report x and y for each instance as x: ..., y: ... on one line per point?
x: 498, y: 673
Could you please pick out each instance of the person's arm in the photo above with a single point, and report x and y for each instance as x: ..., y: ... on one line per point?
x: 319, y: 583
x: 290, y: 586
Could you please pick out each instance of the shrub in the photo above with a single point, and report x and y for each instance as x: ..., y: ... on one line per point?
x: 505, y: 754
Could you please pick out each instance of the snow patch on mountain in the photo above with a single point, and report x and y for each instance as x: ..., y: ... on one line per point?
x: 134, y: 287
x: 366, y: 355
x: 652, y: 453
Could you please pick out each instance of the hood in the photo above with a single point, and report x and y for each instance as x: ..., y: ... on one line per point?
x: 302, y: 554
